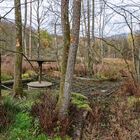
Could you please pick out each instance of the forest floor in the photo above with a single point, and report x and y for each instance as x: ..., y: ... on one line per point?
x: 115, y: 107
x: 113, y: 117
x: 88, y: 87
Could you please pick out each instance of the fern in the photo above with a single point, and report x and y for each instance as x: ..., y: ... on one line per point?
x: 23, y: 129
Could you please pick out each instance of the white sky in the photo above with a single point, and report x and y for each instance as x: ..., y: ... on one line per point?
x: 115, y: 23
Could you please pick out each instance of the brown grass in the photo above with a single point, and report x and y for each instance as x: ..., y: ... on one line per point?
x: 113, y: 69
x: 48, y: 118
x: 7, y: 65
x: 4, y: 119
x: 116, y: 61
x: 113, y: 119
x: 129, y: 88
x: 80, y: 69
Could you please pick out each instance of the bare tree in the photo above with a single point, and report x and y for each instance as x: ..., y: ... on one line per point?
x: 93, y: 20
x: 86, y: 12
x: 17, y: 87
x: 24, y: 29
x: 90, y: 65
x: 66, y: 40
x: 128, y: 17
x: 71, y: 57
x: 38, y: 27
x: 30, y: 32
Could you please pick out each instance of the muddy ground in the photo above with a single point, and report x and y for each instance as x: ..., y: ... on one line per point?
x: 88, y: 86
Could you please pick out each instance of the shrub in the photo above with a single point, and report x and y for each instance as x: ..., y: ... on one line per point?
x: 31, y: 97
x: 31, y: 73
x: 11, y: 104
x: 10, y: 107
x: 108, y: 74
x: 8, y: 110
x: 15, y: 117
x: 28, y: 74
x: 45, y: 112
x: 25, y: 76
x: 48, y: 118
x: 113, y: 118
x: 5, y: 77
x: 80, y: 70
x: 4, y: 120
x: 8, y: 65
x: 23, y: 129
x: 129, y: 88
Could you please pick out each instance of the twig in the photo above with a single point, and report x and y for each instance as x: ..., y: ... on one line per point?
x: 23, y: 56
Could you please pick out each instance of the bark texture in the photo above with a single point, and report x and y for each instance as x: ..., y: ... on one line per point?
x: 90, y: 64
x: 38, y: 28
x: 24, y: 29
x: 66, y: 41
x: 71, y: 57
x: 30, y: 33
x: 17, y: 87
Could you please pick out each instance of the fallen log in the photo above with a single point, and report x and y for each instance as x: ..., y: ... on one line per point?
x: 10, y: 82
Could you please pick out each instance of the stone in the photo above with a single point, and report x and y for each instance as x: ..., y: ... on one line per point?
x: 37, y: 85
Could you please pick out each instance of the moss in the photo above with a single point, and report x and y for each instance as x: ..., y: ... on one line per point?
x: 25, y: 76
x: 131, y: 101
x: 80, y: 101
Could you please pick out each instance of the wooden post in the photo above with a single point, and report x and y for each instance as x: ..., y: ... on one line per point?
x: 40, y: 72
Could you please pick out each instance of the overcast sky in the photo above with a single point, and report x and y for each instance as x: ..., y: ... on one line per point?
x: 114, y: 23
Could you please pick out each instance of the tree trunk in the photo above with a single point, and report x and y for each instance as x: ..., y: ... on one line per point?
x: 93, y: 36
x: 56, y: 44
x: 66, y: 41
x: 0, y: 77
x: 38, y: 29
x: 71, y: 57
x: 93, y: 20
x: 17, y: 87
x: 30, y: 33
x: 90, y: 66
x: 24, y: 29
x: 101, y: 28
